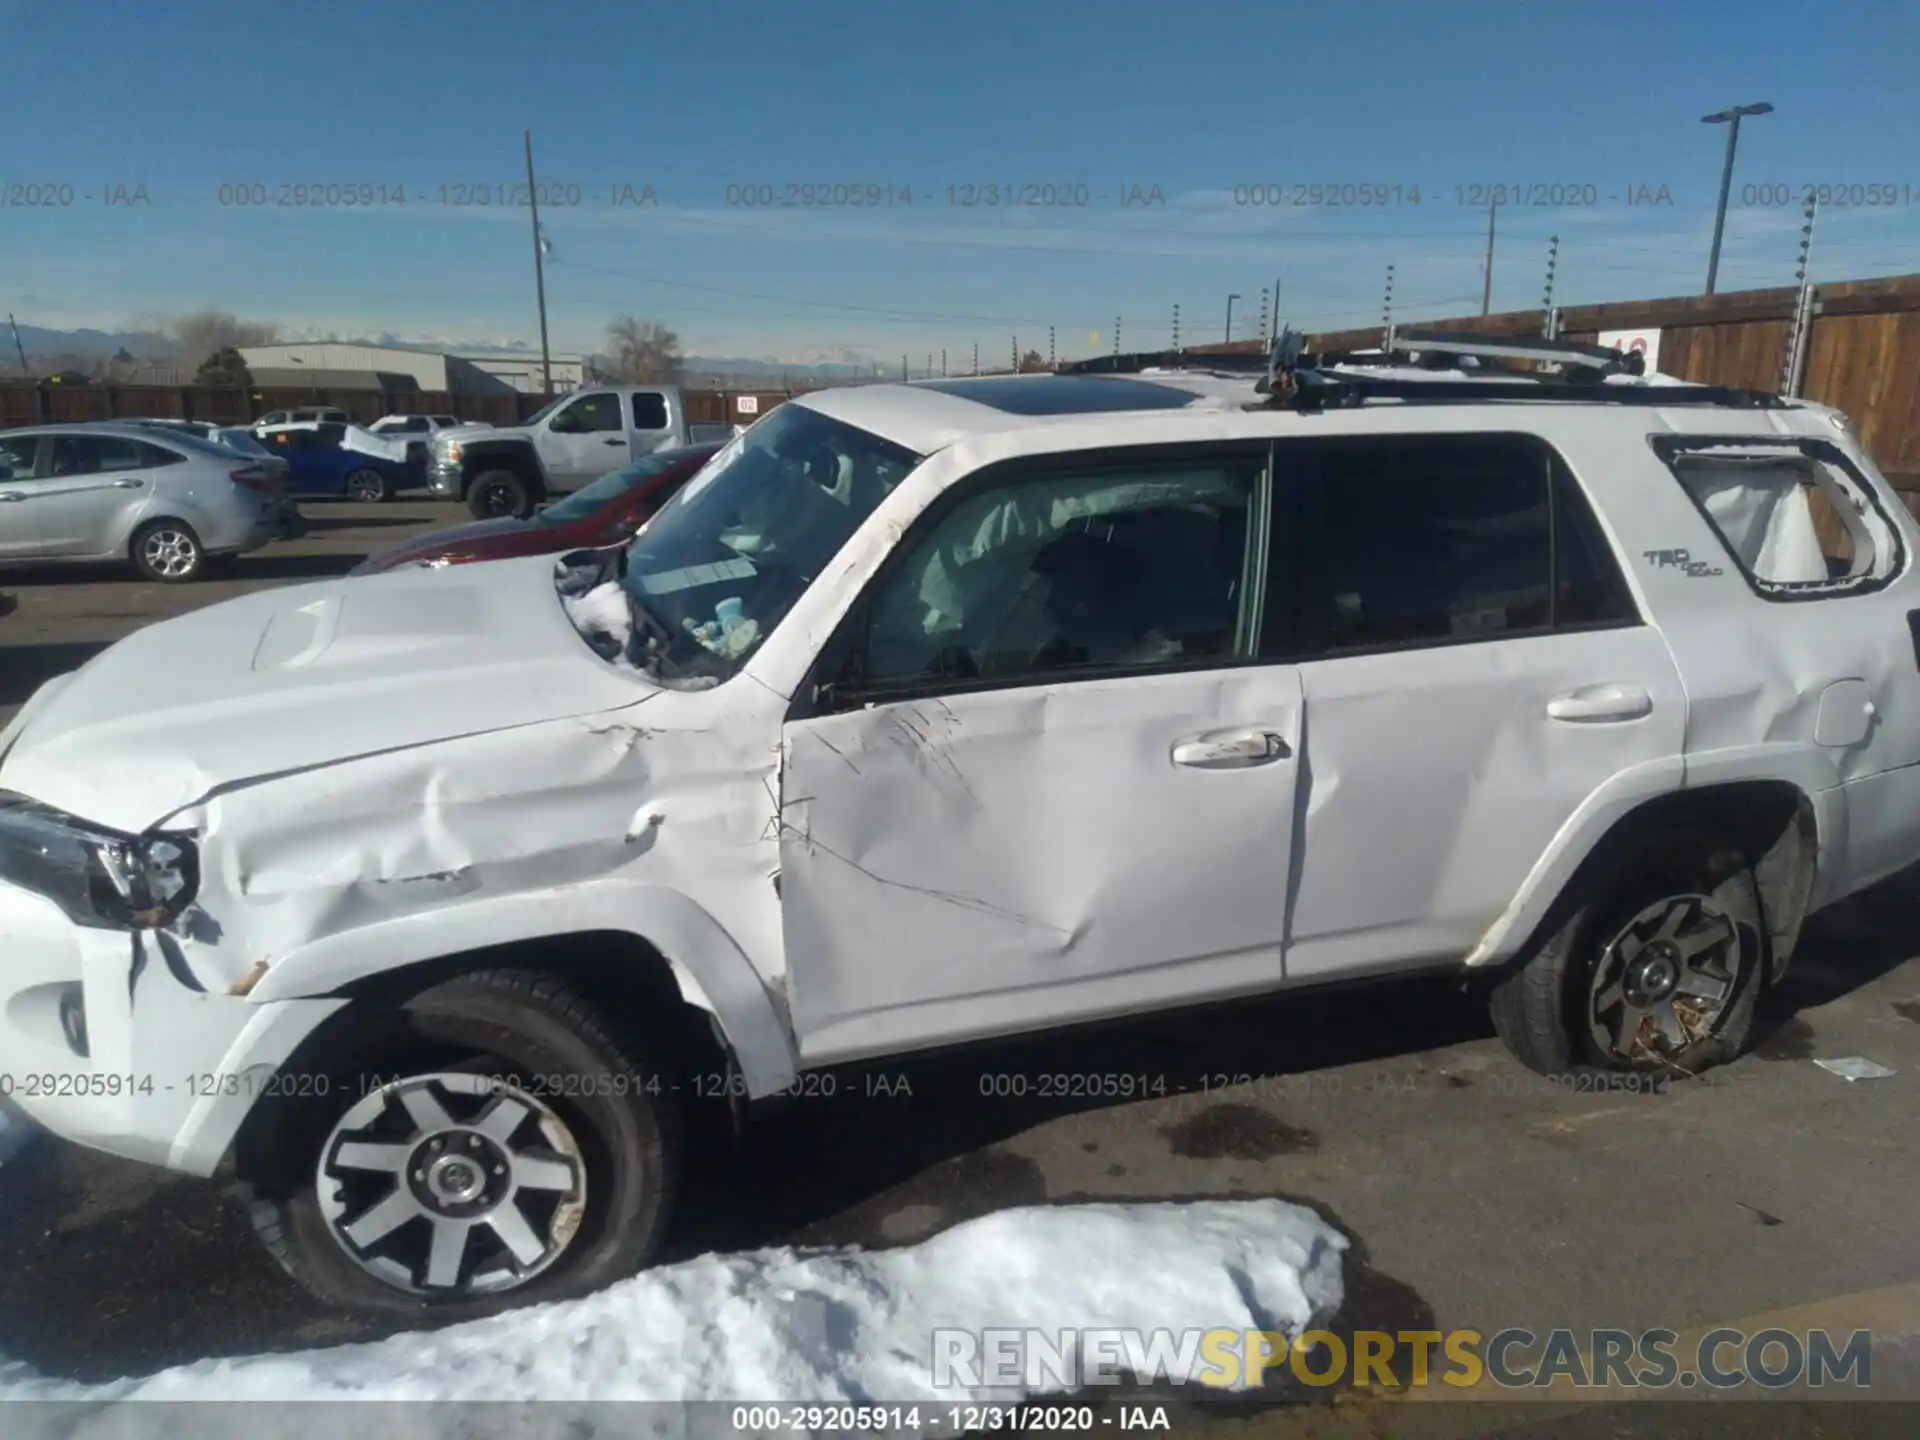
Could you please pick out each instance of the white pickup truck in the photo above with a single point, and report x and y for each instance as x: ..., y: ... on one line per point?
x: 566, y: 444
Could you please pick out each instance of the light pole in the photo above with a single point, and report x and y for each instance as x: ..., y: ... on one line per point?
x: 1731, y: 119
x: 1230, y: 300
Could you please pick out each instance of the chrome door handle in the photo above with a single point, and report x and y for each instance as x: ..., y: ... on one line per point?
x: 1598, y: 704
x: 128, y: 484
x: 1231, y: 749
x: 613, y: 442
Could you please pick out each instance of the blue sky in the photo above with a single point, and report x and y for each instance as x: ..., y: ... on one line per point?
x: 1174, y: 106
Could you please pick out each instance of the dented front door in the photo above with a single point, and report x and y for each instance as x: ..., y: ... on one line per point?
x: 1009, y: 859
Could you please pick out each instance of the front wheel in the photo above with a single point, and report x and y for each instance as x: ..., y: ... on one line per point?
x: 1655, y: 971
x: 497, y: 1146
x: 368, y: 486
x: 496, y: 494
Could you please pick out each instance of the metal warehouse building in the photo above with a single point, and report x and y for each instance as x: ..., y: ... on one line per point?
x: 338, y: 366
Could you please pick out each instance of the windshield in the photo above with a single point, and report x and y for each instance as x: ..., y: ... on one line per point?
x: 725, y: 559
x: 545, y: 410
x: 608, y: 488
x: 242, y: 441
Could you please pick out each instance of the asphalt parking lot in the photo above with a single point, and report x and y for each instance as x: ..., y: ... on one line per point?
x: 1771, y: 1192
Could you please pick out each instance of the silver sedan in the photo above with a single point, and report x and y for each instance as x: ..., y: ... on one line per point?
x: 166, y: 502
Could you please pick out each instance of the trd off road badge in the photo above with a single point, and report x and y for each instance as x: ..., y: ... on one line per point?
x: 1681, y: 560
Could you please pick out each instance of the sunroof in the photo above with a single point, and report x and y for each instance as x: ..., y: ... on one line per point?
x: 1062, y: 394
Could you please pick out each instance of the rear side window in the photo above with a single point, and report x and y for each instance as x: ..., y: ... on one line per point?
x: 1435, y: 539
x: 1797, y: 518
x: 649, y: 411
x: 330, y: 435
x: 154, y: 456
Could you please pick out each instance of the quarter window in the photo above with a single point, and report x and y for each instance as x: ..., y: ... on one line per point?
x: 1067, y: 573
x: 1796, y: 518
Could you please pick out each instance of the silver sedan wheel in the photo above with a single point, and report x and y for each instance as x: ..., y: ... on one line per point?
x: 449, y: 1184
x: 1666, y: 981
x: 170, y: 552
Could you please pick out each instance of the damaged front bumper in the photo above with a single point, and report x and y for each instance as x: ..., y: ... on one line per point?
x: 107, y: 1041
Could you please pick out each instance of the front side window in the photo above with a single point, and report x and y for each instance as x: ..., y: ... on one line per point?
x: 329, y: 436
x: 1071, y: 572
x: 590, y: 415
x: 1796, y: 518
x: 723, y: 561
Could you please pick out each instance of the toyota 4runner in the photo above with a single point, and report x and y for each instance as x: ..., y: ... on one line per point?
x: 426, y: 902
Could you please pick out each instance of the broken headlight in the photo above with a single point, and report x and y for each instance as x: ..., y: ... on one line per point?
x: 100, y: 878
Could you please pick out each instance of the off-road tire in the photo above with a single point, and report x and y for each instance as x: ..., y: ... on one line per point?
x: 520, y: 1023
x: 495, y: 494
x: 1539, y: 1005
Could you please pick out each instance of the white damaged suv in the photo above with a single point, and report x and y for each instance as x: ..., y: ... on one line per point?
x: 424, y: 903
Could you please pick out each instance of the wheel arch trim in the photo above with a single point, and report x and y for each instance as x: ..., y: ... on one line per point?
x: 708, y: 965
x: 1675, y: 778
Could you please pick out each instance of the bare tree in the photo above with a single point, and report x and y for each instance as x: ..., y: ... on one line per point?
x: 1031, y: 361
x: 644, y: 352
x: 207, y: 332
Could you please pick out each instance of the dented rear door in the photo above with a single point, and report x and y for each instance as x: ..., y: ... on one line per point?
x: 1473, y: 668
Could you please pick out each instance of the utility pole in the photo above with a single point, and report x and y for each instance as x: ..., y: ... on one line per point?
x: 943, y: 364
x: 1051, y: 365
x: 1014, y: 342
x: 903, y: 369
x: 1176, y: 329
x: 1116, y: 334
x: 1386, y: 314
x: 19, y: 349
x: 539, y: 271
x: 929, y: 364
x: 1486, y: 292
x: 1729, y: 117
x: 1263, y: 316
x: 1230, y: 300
x: 976, y: 357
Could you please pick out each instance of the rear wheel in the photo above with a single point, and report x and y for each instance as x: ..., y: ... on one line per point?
x: 1656, y: 971
x: 368, y: 486
x: 167, y: 551
x: 495, y: 1146
x: 498, y: 493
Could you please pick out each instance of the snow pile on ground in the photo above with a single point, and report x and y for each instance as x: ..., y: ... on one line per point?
x: 15, y: 1129
x: 790, y: 1325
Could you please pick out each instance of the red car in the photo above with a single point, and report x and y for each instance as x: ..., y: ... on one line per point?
x: 607, y: 512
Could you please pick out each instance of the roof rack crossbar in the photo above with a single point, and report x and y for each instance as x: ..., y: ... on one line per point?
x: 1571, y: 353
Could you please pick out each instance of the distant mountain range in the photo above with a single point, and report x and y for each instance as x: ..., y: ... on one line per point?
x: 40, y: 342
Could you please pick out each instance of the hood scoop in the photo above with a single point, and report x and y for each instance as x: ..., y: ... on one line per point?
x: 345, y: 628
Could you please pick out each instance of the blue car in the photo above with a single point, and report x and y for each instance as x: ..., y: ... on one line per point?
x: 328, y: 458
